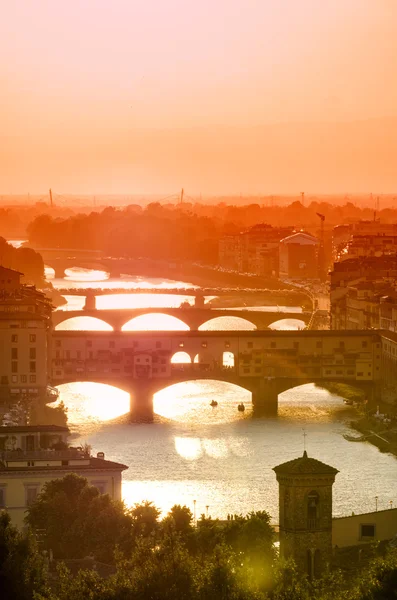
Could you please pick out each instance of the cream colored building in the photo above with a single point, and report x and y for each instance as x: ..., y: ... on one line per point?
x: 32, y: 437
x: 25, y: 321
x: 23, y: 472
x: 363, y: 528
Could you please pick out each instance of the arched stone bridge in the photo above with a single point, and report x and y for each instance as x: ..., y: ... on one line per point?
x: 264, y: 362
x: 194, y: 318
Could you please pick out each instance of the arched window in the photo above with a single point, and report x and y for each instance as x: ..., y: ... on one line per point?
x: 313, y: 501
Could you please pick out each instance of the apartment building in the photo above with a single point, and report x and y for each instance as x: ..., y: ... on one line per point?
x: 32, y: 455
x: 299, y: 256
x: 361, y: 238
x: 362, y: 292
x: 253, y: 251
x: 25, y: 322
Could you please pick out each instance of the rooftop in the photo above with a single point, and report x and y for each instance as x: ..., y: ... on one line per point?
x: 33, y: 429
x: 305, y: 466
x: 300, y: 238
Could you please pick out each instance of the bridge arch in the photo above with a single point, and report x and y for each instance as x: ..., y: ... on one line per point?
x: 93, y: 400
x: 193, y: 395
x: 155, y: 322
x: 82, y: 324
x: 288, y: 324
x: 228, y: 323
x: 356, y: 391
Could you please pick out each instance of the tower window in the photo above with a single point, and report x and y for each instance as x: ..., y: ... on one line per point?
x: 313, y: 501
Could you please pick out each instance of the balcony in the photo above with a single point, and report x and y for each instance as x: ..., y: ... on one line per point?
x: 312, y: 524
x: 11, y: 455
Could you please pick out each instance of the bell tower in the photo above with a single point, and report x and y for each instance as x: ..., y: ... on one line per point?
x: 305, y: 513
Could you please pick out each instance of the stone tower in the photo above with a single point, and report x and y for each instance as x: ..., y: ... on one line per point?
x: 305, y: 513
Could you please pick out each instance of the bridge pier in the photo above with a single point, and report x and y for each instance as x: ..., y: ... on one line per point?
x: 90, y: 302
x: 141, y: 402
x: 265, y: 398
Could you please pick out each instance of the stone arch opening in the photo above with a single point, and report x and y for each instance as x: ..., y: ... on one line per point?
x: 181, y: 361
x: 288, y: 325
x: 93, y: 401
x: 181, y: 358
x: 228, y: 360
x: 227, y: 323
x: 155, y: 322
x: 83, y: 324
x: 349, y: 391
x: 313, y: 395
x: 205, y: 361
x: 190, y: 400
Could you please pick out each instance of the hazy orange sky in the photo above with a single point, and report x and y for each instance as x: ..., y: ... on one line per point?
x: 82, y: 80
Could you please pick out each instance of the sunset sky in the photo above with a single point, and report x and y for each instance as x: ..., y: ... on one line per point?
x: 82, y: 81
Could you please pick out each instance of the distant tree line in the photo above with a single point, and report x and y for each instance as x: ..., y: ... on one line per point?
x: 137, y: 556
x: 183, y: 231
x: 27, y: 261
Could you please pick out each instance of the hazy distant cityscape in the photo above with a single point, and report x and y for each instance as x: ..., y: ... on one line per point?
x: 198, y: 300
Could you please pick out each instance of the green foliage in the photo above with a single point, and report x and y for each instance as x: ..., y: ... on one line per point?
x: 168, y: 559
x: 25, y: 260
x: 22, y: 568
x: 79, y: 521
x: 379, y: 581
x: 145, y: 519
x: 43, y: 414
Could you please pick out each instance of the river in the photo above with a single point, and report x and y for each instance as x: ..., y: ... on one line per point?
x: 217, y: 459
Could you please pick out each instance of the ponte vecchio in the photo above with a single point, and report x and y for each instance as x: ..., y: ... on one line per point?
x: 264, y: 362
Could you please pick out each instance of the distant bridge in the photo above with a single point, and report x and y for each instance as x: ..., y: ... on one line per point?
x: 194, y: 318
x: 264, y: 362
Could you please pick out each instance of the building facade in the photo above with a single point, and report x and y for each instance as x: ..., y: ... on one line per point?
x: 25, y: 326
x: 299, y: 257
x: 26, y: 467
x: 255, y: 250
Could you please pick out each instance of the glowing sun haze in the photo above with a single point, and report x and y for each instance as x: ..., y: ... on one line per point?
x: 150, y: 95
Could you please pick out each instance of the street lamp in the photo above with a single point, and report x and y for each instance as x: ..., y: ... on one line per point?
x: 376, y: 503
x: 391, y: 503
x: 206, y: 508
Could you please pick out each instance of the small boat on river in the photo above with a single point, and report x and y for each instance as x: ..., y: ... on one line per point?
x: 213, y: 403
x: 241, y: 407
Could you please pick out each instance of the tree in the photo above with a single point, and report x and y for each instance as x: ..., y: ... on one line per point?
x: 79, y: 521
x: 182, y: 518
x: 379, y: 581
x: 22, y: 568
x: 145, y: 519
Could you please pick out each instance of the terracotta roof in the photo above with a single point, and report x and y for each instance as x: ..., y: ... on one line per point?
x: 94, y: 465
x: 300, y: 238
x: 305, y: 466
x: 32, y: 429
x: 9, y: 270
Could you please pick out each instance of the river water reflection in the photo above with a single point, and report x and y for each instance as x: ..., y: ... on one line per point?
x: 219, y: 457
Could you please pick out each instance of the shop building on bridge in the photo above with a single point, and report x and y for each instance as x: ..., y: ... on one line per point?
x: 262, y: 362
